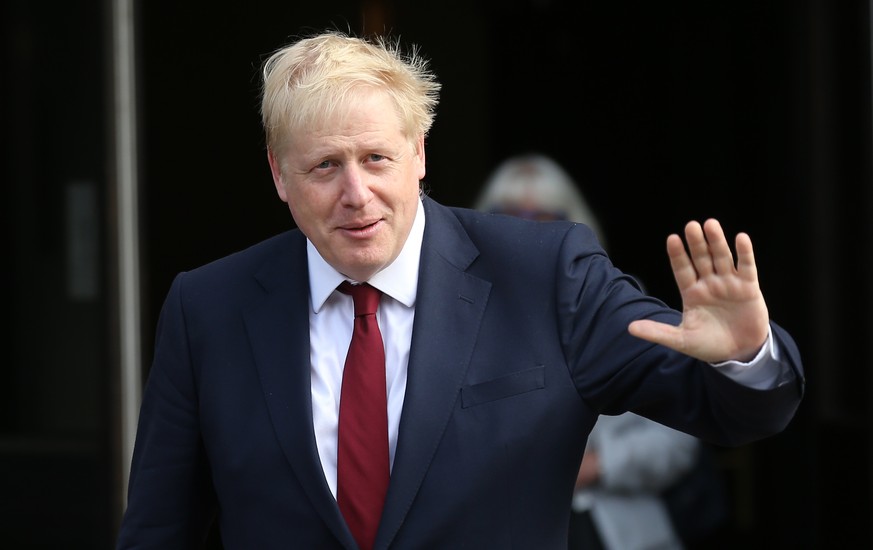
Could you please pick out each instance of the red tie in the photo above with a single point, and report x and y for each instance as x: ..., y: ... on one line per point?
x: 362, y: 454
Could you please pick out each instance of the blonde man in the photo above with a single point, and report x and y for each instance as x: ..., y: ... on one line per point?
x: 504, y: 340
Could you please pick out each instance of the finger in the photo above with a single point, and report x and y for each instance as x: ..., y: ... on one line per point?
x: 722, y: 258
x: 657, y: 332
x: 698, y: 248
x: 683, y: 270
x: 746, y: 266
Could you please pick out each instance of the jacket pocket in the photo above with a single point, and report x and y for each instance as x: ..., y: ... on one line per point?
x: 505, y: 386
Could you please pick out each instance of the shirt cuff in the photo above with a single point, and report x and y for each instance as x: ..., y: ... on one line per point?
x: 764, y: 372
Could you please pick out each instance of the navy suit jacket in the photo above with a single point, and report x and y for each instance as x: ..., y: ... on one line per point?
x: 520, y: 341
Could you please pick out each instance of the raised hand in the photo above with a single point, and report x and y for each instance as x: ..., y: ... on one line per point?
x: 724, y: 316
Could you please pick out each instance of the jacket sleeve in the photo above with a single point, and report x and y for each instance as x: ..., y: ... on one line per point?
x: 171, y: 503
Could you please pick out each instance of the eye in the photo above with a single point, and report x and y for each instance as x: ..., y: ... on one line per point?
x: 323, y: 165
x: 375, y: 157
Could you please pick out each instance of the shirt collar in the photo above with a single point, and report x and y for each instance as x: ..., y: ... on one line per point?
x: 399, y: 279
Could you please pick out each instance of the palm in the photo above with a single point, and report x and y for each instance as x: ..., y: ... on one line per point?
x: 724, y: 314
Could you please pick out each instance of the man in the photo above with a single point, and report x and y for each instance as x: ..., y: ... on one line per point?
x: 504, y: 339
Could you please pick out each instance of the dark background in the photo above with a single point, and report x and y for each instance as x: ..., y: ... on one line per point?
x: 754, y: 112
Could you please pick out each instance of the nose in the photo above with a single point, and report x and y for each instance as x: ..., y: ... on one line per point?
x: 356, y: 190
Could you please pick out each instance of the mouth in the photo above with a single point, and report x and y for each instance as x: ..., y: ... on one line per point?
x: 361, y: 229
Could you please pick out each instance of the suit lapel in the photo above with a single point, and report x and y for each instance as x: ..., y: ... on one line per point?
x: 278, y: 328
x: 448, y: 311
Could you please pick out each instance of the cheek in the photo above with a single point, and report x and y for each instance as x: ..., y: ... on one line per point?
x: 307, y: 206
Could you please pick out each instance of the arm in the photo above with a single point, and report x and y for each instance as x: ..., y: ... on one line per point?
x: 171, y: 503
x: 616, y: 371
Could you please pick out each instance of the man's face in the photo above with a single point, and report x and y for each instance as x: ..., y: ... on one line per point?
x: 352, y: 185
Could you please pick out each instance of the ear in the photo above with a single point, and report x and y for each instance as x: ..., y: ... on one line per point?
x: 422, y: 170
x: 276, y: 170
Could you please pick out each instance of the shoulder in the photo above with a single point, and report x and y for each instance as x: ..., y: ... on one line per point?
x: 266, y: 260
x: 257, y: 254
x: 521, y: 253
x: 496, y: 231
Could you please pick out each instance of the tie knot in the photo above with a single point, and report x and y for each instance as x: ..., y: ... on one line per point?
x: 365, y: 296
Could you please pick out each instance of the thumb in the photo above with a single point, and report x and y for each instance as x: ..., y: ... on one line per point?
x: 658, y: 333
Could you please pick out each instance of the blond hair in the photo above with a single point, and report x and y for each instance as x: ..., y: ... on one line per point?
x: 316, y: 77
